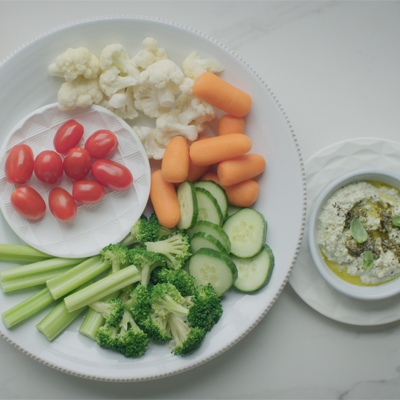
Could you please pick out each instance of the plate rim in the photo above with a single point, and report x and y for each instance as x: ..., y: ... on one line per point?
x: 303, y: 185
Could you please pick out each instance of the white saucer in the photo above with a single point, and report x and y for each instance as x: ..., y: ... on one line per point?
x: 321, y: 169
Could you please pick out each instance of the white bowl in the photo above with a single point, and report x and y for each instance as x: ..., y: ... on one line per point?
x: 378, y: 292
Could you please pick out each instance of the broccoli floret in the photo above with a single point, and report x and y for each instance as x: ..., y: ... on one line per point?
x: 205, y: 309
x: 185, y: 339
x: 159, y: 231
x: 176, y: 249
x: 127, y: 338
x: 177, y: 277
x: 140, y: 233
x: 112, y: 310
x: 117, y: 254
x: 165, y: 299
x: 146, y: 262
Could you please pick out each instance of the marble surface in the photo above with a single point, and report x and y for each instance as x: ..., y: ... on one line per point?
x: 334, y: 66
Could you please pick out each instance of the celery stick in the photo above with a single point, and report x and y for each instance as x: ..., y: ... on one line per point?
x: 20, y: 252
x: 58, y: 319
x: 35, y: 274
x: 76, y: 276
x: 111, y: 283
x: 94, y: 320
x: 27, y: 308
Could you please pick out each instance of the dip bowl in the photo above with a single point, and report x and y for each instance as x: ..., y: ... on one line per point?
x: 376, y: 292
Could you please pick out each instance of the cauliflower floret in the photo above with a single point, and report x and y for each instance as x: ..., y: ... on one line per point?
x: 193, y: 110
x: 164, y: 78
x: 169, y: 126
x: 122, y: 104
x: 115, y: 55
x: 75, y: 62
x: 193, y: 66
x: 149, y: 55
x: 80, y: 92
x: 111, y: 81
x: 147, y: 136
x: 146, y: 100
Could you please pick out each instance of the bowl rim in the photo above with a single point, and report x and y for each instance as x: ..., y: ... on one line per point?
x: 378, y: 292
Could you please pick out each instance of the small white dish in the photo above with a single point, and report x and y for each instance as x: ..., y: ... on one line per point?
x: 94, y: 226
x: 377, y: 292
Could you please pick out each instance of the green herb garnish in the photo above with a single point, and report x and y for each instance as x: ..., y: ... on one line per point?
x: 357, y: 231
x: 396, y: 220
x: 368, y: 260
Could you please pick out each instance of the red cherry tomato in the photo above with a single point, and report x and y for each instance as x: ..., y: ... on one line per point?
x: 48, y: 167
x: 77, y: 163
x: 62, y: 205
x: 67, y: 136
x: 28, y: 203
x: 88, y: 192
x: 112, y: 175
x: 19, y: 164
x: 101, y: 144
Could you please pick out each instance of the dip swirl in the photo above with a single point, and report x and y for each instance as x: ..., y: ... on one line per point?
x: 374, y: 204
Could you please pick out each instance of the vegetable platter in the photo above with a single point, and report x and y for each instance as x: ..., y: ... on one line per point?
x: 281, y: 200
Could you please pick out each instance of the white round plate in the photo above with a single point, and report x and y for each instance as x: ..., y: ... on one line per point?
x: 282, y: 196
x: 325, y: 166
x: 96, y: 225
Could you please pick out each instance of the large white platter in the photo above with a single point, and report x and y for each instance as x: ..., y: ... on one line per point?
x: 282, y: 199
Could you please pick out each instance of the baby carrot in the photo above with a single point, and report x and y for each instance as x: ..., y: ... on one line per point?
x: 219, y: 148
x: 165, y: 200
x: 243, y: 194
x: 195, y: 172
x: 221, y: 94
x: 240, y: 169
x: 211, y: 176
x: 230, y: 124
x: 175, y: 163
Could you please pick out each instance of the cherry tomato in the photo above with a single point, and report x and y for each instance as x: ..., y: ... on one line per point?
x: 101, y: 144
x: 62, y: 205
x: 48, y: 167
x: 88, y: 192
x: 28, y: 203
x: 67, y: 136
x: 112, y: 175
x: 77, y: 163
x: 19, y: 164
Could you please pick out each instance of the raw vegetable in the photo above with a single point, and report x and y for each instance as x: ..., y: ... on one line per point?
x: 62, y: 205
x: 239, y: 169
x: 48, y: 167
x: 193, y: 66
x: 175, y: 163
x: 221, y: 94
x: 243, y: 194
x: 115, y: 55
x: 219, y: 148
x: 19, y: 164
x: 210, y: 176
x: 68, y: 136
x: 148, y: 137
x: 112, y: 175
x: 28, y: 203
x: 87, y: 192
x: 209, y: 209
x: 77, y: 163
x: 229, y: 124
x: 217, y: 192
x: 189, y: 208
x: 101, y: 144
x: 20, y: 252
x: 201, y: 240
x: 140, y: 233
x: 149, y: 55
x: 164, y: 200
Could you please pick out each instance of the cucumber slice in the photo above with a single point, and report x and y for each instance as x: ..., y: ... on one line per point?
x: 232, y: 210
x: 247, y: 231
x: 217, y: 192
x: 187, y: 199
x: 208, y: 207
x: 210, y: 266
x: 203, y: 240
x: 214, y: 230
x: 254, y: 273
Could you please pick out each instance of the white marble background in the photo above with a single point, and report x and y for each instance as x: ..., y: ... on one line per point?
x: 335, y: 68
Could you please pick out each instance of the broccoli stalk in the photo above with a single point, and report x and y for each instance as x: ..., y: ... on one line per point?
x: 140, y: 233
x: 59, y: 318
x: 117, y: 254
x: 176, y: 249
x: 111, y: 310
x: 20, y: 252
x: 36, y: 273
x: 101, y: 288
x: 77, y: 276
x: 27, y: 308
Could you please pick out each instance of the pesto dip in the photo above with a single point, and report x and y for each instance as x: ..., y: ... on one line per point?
x: 375, y: 258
